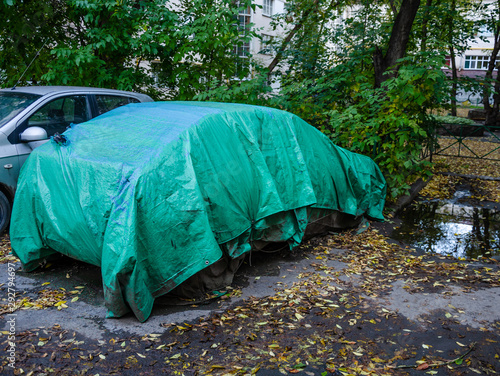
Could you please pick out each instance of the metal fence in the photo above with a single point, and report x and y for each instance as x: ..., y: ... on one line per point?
x: 468, y: 141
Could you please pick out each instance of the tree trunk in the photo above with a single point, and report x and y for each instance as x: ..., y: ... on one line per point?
x: 454, y: 83
x: 400, y: 35
x: 454, y: 76
x: 492, y: 111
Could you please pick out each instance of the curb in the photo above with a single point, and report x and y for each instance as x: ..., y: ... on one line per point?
x: 406, y: 200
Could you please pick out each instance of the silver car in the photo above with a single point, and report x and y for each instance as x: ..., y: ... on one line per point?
x: 29, y: 116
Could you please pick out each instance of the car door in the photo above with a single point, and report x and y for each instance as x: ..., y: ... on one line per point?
x: 9, y: 160
x: 54, y: 116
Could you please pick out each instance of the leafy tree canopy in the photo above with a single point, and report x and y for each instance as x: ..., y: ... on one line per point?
x: 123, y: 44
x: 366, y: 73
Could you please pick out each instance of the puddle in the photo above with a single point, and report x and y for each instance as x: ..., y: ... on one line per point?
x: 452, y: 227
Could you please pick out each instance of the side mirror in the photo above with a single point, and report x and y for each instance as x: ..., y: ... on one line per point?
x: 33, y: 134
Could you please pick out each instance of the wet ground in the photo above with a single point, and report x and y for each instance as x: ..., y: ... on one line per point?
x: 339, y: 305
x: 460, y: 226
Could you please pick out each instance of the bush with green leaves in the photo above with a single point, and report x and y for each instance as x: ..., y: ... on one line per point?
x: 390, y: 124
x: 108, y: 42
x: 253, y: 91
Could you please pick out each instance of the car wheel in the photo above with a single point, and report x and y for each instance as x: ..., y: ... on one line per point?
x: 5, y: 211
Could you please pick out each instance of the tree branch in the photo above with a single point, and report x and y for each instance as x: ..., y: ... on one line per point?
x: 289, y: 37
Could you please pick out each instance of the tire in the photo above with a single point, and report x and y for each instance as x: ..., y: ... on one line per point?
x: 5, y: 211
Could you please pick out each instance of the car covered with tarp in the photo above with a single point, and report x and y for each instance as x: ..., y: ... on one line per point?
x: 158, y: 194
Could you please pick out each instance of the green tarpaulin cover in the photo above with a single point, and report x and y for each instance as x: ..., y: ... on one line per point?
x: 155, y: 192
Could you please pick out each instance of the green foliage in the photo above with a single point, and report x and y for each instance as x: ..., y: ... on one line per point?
x: 255, y: 91
x: 390, y: 123
x: 169, y: 51
x: 112, y: 41
x: 308, y: 53
x: 28, y: 27
x: 209, y: 42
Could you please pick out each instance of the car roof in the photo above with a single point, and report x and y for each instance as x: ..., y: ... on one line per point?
x: 44, y: 90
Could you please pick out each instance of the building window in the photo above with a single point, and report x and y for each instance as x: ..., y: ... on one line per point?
x: 244, y: 19
x: 478, y: 62
x: 265, y: 44
x: 267, y: 8
x: 242, y: 49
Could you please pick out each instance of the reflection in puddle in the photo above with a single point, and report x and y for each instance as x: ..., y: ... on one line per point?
x: 451, y: 229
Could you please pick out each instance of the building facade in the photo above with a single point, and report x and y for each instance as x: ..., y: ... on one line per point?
x: 473, y: 63
x: 262, y: 19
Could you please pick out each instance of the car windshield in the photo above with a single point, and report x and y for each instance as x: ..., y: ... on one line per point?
x: 11, y: 103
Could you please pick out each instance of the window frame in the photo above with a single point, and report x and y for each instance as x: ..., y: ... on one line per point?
x: 243, y: 49
x: 126, y: 98
x: 478, y: 62
x: 268, y: 8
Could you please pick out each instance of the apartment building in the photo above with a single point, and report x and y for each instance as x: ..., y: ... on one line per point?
x: 473, y: 63
x: 262, y: 18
